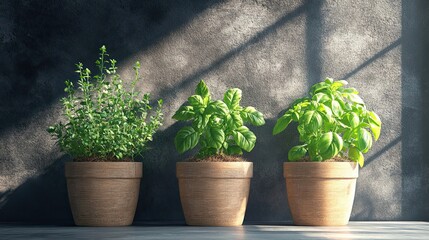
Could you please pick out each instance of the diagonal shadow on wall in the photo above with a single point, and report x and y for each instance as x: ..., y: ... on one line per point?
x: 267, y: 31
x: 40, y: 199
x: 374, y: 58
x: 40, y: 41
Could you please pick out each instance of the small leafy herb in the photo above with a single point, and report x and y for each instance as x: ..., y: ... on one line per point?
x: 333, y: 121
x: 104, y: 120
x: 218, y: 126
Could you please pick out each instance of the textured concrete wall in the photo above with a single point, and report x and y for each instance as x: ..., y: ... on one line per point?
x: 272, y: 50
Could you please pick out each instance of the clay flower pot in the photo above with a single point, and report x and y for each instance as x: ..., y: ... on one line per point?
x: 103, y: 193
x: 320, y: 193
x: 214, y: 193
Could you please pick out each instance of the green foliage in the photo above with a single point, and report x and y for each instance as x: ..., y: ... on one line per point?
x: 333, y: 121
x: 217, y: 126
x: 104, y: 119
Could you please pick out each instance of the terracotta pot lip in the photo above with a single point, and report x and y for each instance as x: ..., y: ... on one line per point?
x: 214, y: 163
x: 104, y: 163
x: 332, y: 170
x: 320, y: 163
x: 111, y: 170
x: 214, y: 170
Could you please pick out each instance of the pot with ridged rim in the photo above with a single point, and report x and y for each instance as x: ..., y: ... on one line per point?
x: 320, y: 193
x: 214, y: 193
x: 103, y: 193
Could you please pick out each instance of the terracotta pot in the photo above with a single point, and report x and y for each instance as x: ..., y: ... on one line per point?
x: 103, y: 193
x: 214, y: 193
x: 320, y: 194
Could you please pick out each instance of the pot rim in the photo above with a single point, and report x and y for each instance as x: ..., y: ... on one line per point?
x: 112, y: 170
x: 229, y: 170
x: 333, y: 170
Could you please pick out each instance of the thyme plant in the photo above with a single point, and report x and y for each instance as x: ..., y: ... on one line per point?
x: 103, y: 120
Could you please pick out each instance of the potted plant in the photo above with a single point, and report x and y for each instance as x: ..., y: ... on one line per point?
x: 214, y: 185
x: 105, y: 127
x: 334, y: 128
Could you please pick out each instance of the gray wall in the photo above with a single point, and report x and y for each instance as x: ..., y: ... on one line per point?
x: 272, y: 50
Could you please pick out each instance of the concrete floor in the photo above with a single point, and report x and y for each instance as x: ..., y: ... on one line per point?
x: 355, y: 230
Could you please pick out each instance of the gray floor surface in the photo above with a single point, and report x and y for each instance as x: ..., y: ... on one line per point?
x: 355, y: 230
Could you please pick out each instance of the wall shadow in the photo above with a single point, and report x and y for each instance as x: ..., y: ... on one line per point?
x: 386, y: 148
x: 40, y: 41
x: 41, y: 199
x: 413, y: 161
x: 424, y: 6
x: 159, y: 194
x: 423, y: 30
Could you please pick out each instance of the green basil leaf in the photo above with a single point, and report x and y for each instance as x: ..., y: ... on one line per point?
x: 338, y: 141
x: 338, y: 84
x: 329, y: 80
x: 186, y: 139
x: 236, y: 119
x: 353, y: 119
x: 217, y: 107
x: 364, y: 140
x: 196, y: 101
x: 329, y: 145
x: 321, y: 97
x: 374, y: 124
x: 184, y: 113
x: 325, y: 141
x: 349, y: 90
x: 251, y: 115
x: 319, y: 87
x: 297, y: 153
x: 354, y: 98
x: 336, y: 108
x: 200, y: 122
x: 234, y: 150
x: 356, y: 155
x: 282, y: 123
x: 202, y: 90
x: 375, y: 129
x: 312, y: 120
x: 374, y: 118
x: 215, y: 137
x: 244, y: 138
x: 232, y: 98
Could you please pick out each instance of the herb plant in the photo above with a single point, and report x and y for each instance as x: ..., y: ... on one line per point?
x: 103, y: 119
x: 333, y: 121
x: 217, y: 126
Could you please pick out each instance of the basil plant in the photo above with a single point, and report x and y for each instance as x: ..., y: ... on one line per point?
x: 216, y: 126
x: 332, y: 121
